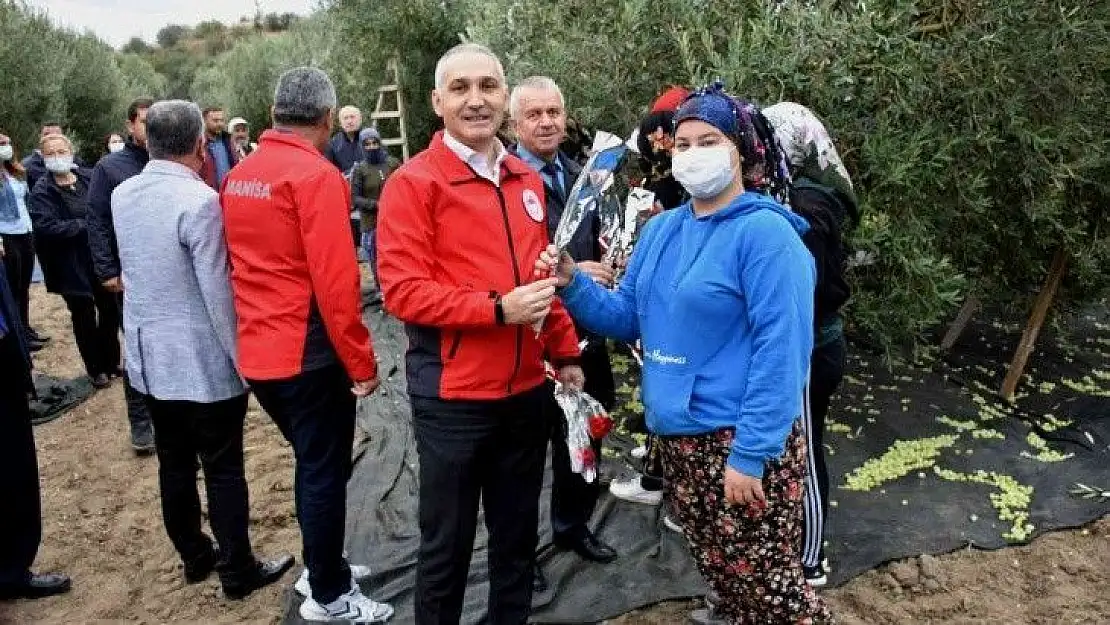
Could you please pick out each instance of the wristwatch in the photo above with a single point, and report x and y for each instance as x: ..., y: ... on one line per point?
x: 498, y: 311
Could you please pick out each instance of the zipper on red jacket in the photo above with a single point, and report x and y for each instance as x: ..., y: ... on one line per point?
x: 455, y: 345
x: 516, y: 277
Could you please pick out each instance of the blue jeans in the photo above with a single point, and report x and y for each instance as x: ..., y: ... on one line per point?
x: 370, y: 244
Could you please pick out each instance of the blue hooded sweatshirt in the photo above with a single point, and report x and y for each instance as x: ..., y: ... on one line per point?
x: 724, y: 307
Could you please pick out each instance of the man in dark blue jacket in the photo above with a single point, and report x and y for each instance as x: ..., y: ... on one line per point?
x: 539, y: 118
x: 107, y: 175
x: 22, y: 533
x: 344, y: 150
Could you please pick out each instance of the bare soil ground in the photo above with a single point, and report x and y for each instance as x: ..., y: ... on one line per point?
x: 102, y: 525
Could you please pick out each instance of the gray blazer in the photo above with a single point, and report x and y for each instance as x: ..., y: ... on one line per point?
x: 178, y: 312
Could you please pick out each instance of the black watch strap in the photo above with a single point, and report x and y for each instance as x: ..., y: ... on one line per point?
x: 498, y: 311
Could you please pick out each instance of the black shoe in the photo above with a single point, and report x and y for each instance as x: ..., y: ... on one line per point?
x: 261, y: 574
x: 35, y: 346
x: 198, y: 569
x: 101, y: 380
x: 588, y: 546
x: 142, y: 439
x: 35, y: 336
x: 539, y: 580
x: 37, y: 587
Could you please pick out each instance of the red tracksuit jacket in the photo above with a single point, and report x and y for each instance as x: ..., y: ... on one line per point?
x: 293, y: 267
x: 449, y: 242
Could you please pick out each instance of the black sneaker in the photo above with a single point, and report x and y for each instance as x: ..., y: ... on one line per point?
x: 101, y: 380
x: 815, y: 576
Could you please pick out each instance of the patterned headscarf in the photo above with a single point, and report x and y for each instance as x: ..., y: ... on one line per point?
x: 764, y: 169
x: 808, y: 147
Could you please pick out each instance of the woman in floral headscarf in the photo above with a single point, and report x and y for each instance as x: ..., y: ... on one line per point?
x: 720, y: 292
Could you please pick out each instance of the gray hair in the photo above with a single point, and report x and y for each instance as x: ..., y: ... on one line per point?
x: 539, y: 83
x: 173, y: 128
x: 303, y: 97
x: 459, y: 50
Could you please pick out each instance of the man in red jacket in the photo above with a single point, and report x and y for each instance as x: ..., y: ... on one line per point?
x: 459, y: 225
x: 300, y: 331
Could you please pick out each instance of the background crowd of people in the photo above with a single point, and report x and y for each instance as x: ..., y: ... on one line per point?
x: 232, y: 268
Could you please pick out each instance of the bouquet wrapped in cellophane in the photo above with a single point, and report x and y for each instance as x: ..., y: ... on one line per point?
x: 595, y: 192
x: 586, y: 422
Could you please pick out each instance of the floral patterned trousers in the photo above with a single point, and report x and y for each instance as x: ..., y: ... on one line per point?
x: 749, y: 554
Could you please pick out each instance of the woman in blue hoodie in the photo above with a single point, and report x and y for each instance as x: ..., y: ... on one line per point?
x: 720, y: 292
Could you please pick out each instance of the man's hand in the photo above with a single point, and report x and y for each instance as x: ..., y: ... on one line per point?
x: 528, y: 303
x: 601, y: 273
x: 572, y: 377
x: 551, y: 263
x: 743, y: 489
x: 363, y: 388
x: 113, y: 285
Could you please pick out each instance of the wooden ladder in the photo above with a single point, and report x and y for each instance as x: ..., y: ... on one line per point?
x: 393, y: 86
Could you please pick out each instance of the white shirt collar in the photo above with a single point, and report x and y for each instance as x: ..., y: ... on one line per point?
x: 478, y: 161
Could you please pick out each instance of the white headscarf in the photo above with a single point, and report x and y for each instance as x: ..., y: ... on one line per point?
x: 802, y: 136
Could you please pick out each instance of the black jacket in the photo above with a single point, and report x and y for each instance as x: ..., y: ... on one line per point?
x: 106, y: 176
x: 61, y: 237
x: 825, y: 209
x: 15, y: 364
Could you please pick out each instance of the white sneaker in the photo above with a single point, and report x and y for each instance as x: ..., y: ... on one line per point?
x: 632, y: 490
x: 350, y: 607
x: 639, y: 453
x: 671, y: 525
x: 304, y: 589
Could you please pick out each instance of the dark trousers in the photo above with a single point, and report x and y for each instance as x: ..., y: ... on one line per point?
x: 356, y: 232
x: 315, y: 411
x: 478, y: 451
x: 572, y: 498
x: 212, y: 433
x: 19, y: 262
x: 19, y: 474
x: 138, y: 412
x: 372, y: 250
x: 96, y: 321
x: 826, y: 371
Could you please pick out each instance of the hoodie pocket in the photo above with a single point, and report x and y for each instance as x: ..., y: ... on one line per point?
x: 667, y: 399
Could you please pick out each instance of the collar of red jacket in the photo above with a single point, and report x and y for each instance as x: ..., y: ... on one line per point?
x: 457, y: 171
x: 290, y: 138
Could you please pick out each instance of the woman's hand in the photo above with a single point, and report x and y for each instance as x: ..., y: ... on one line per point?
x: 552, y: 264
x: 599, y: 272
x: 743, y: 489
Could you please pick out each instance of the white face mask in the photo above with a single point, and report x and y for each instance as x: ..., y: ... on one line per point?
x: 6, y: 152
x: 115, y: 146
x: 59, y: 164
x: 703, y: 172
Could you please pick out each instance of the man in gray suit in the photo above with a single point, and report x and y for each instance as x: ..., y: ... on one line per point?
x: 179, y: 331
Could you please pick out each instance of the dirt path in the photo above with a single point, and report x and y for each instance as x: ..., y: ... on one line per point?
x: 103, y: 527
